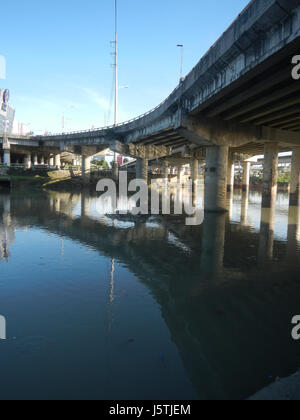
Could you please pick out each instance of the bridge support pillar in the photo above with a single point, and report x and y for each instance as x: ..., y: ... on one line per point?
x: 165, y: 170
x: 216, y: 178
x: 142, y: 169
x: 86, y: 168
x: 270, y: 175
x: 28, y: 161
x: 295, y: 179
x: 57, y: 161
x: 6, y: 157
x: 180, y: 174
x: 230, y: 174
x: 246, y: 175
x: 115, y: 170
x: 51, y: 160
x: 195, y: 171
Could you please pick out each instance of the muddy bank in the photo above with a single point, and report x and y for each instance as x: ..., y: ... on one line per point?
x: 287, y: 389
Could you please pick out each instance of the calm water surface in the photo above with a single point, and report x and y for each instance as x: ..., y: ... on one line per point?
x: 101, y: 308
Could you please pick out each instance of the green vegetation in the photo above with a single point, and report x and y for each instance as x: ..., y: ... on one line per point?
x: 101, y: 164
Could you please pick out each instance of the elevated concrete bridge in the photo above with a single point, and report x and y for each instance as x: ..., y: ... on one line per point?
x: 240, y: 98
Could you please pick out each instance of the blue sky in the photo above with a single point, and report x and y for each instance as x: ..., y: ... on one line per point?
x: 58, y: 54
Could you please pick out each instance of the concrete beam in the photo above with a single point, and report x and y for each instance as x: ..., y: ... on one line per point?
x: 140, y: 151
x: 213, y: 131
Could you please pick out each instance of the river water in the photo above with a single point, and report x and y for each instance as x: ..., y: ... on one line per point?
x: 119, y: 308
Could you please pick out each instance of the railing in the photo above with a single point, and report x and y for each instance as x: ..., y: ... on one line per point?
x: 110, y: 127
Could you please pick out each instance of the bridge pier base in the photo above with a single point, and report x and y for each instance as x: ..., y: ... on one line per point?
x: 216, y: 179
x: 230, y: 174
x: 295, y: 179
x: 246, y: 175
x: 269, y: 193
x: 142, y: 169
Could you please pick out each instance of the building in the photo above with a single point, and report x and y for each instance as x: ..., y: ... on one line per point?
x: 7, y: 113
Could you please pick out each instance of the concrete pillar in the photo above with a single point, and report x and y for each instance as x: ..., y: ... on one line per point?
x: 86, y: 168
x: 180, y: 173
x: 6, y: 157
x: 42, y: 160
x: 51, y: 160
x: 295, y: 179
x: 142, y: 169
x: 28, y: 161
x: 57, y: 161
x: 270, y: 175
x: 216, y: 178
x: 165, y: 170
x: 230, y: 175
x: 195, y: 170
x: 35, y: 160
x: 246, y: 175
x: 293, y: 236
x: 115, y: 170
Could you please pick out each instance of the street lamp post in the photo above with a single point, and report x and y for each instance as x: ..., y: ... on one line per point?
x: 181, y: 46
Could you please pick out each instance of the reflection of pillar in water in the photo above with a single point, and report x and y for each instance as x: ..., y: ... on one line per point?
x: 6, y: 229
x: 85, y: 205
x: 266, y: 240
x: 213, y: 240
x: 57, y: 204
x: 293, y: 236
x: 112, y: 282
x: 62, y: 247
x: 245, y: 207
x: 230, y: 196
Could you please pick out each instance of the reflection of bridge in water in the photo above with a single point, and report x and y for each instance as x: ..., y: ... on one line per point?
x: 224, y: 313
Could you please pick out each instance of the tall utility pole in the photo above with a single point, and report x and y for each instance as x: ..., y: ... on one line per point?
x: 116, y: 64
x: 115, y: 165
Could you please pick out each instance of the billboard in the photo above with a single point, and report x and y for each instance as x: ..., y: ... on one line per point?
x: 4, y: 101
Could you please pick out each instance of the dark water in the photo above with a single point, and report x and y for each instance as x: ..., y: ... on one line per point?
x: 98, y: 308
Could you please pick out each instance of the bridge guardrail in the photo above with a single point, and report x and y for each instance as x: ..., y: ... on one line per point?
x: 113, y: 126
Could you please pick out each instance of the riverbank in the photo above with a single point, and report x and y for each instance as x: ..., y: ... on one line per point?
x: 286, y: 389
x: 58, y: 181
